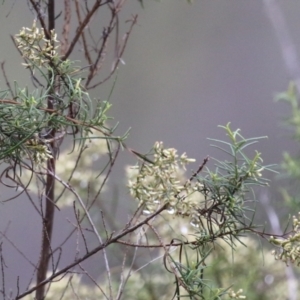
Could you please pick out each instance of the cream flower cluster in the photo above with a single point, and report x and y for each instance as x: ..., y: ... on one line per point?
x: 38, y: 151
x: 161, y: 182
x: 236, y: 295
x: 35, y: 47
x: 288, y: 248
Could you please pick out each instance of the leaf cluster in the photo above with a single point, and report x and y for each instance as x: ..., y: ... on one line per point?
x: 220, y: 212
x: 62, y: 106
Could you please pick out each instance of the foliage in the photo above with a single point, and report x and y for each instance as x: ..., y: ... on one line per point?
x: 289, y: 248
x: 191, y: 224
x: 27, y: 121
x: 291, y: 164
x: 218, y: 212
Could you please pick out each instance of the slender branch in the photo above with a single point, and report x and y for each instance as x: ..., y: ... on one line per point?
x: 81, y: 28
x: 2, y: 263
x: 66, y: 27
x: 86, y: 51
x: 116, y: 64
x: 91, y: 253
x: 48, y: 218
x: 3, y: 234
x: 70, y: 188
x: 6, y: 79
x: 96, y: 196
x: 40, y: 17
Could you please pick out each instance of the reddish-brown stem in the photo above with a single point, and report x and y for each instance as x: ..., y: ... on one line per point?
x: 40, y: 17
x: 48, y: 217
x: 81, y: 28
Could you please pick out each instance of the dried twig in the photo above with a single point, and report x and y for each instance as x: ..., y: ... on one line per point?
x: 108, y: 242
x: 66, y: 26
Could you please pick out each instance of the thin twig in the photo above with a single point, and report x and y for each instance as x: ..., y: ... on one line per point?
x: 77, y: 216
x: 6, y: 79
x: 126, y: 37
x: 36, y: 5
x: 94, y: 281
x: 108, y: 242
x: 17, y: 249
x: 87, y: 214
x: 86, y: 51
x: 81, y: 27
x: 66, y: 26
x: 2, y: 272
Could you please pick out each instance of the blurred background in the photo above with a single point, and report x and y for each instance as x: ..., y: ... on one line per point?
x: 188, y: 69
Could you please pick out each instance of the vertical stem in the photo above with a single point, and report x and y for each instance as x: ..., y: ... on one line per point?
x: 49, y: 189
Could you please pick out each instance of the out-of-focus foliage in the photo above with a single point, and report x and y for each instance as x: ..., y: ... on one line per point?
x: 72, y: 164
x: 215, y: 263
x: 248, y: 266
x: 291, y: 163
x: 200, y: 245
x: 289, y: 247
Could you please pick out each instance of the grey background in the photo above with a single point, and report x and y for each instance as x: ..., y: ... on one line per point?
x: 188, y: 69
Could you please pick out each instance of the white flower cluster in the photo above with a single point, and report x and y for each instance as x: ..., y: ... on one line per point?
x: 35, y: 47
x: 236, y: 295
x: 288, y: 248
x: 38, y: 151
x: 161, y: 182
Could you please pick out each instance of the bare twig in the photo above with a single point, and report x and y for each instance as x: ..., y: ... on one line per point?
x: 2, y: 272
x: 94, y: 281
x: 6, y: 79
x: 3, y: 234
x: 85, y: 47
x: 36, y: 7
x: 70, y: 188
x: 66, y: 26
x: 167, y: 257
x: 120, y: 54
x: 124, y: 279
x: 81, y: 27
x: 77, y: 215
x: 108, y: 242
